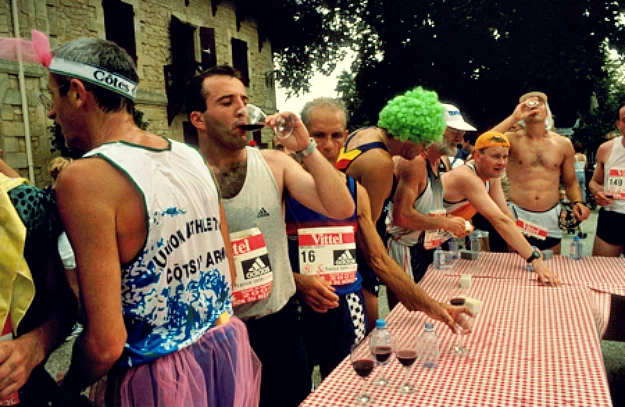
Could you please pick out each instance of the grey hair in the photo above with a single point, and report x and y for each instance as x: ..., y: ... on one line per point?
x: 329, y: 103
x: 103, y: 54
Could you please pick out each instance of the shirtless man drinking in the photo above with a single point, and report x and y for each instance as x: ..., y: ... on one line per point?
x: 538, y: 157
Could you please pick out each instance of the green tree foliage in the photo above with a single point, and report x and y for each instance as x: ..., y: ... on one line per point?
x: 594, y: 125
x: 478, y: 54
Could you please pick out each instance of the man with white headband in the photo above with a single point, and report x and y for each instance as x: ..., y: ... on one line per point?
x: 145, y: 218
x: 538, y: 158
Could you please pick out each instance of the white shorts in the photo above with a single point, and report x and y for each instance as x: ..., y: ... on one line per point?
x: 549, y: 219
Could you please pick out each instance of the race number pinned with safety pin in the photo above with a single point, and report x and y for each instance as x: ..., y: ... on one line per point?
x: 251, y: 261
x: 616, y: 183
x: 531, y: 229
x: 435, y: 238
x: 328, y: 252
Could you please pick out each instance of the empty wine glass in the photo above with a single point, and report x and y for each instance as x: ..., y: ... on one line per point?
x: 363, y: 363
x: 406, y: 353
x: 256, y: 120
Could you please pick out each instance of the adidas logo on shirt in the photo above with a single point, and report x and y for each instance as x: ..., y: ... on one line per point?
x: 257, y: 268
x: 262, y: 213
x: 344, y: 257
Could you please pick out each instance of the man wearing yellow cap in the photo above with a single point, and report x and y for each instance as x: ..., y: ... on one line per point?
x: 538, y: 158
x: 476, y: 187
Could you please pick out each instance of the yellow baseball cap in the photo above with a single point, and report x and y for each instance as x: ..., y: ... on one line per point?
x: 491, y: 139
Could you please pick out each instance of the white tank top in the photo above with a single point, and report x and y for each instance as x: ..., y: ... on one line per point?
x: 259, y: 204
x: 616, y: 160
x: 464, y: 208
x: 179, y: 283
x: 579, y: 165
x: 430, y: 199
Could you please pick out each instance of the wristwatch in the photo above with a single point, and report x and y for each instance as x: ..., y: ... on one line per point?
x: 307, y: 151
x: 535, y: 255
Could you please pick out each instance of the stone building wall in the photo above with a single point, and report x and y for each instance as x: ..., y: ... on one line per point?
x: 65, y: 20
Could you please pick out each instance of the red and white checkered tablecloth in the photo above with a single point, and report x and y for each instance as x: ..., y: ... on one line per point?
x: 587, y: 272
x: 601, y: 275
x: 531, y: 346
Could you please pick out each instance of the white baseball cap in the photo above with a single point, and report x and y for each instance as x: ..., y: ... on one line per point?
x: 454, y: 118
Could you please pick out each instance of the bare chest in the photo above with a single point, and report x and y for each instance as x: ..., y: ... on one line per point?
x: 231, y: 179
x: 531, y: 157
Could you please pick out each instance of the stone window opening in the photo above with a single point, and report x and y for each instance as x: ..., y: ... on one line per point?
x: 240, y: 60
x: 119, y: 25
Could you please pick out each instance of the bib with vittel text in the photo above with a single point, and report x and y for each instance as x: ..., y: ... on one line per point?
x: 435, y: 238
x: 531, y: 229
x: 329, y: 252
x: 253, y: 269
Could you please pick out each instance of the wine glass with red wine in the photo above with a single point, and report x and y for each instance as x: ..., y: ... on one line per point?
x: 464, y: 323
x: 256, y: 121
x: 363, y: 363
x: 406, y: 354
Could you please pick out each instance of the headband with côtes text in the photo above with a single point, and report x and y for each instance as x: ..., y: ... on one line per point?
x: 38, y: 51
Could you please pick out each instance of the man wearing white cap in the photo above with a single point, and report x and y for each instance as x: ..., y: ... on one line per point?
x: 455, y: 131
x: 538, y: 157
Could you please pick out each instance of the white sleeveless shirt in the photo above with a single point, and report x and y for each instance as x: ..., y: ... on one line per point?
x: 179, y: 284
x: 430, y: 199
x: 616, y: 161
x: 259, y: 204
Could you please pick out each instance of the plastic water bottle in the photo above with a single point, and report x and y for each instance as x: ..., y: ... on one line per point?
x: 428, y: 347
x: 454, y: 248
x: 476, y: 244
x: 529, y: 266
x: 577, y: 249
x: 442, y: 259
x: 381, y: 348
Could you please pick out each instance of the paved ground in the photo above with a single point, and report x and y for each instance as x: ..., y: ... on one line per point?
x: 614, y: 352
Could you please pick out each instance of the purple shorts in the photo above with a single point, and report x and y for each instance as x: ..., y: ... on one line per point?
x: 220, y: 370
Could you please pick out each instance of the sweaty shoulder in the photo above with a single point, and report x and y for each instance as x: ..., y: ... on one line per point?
x: 604, y: 150
x: 561, y: 140
x: 365, y: 136
x: 92, y: 176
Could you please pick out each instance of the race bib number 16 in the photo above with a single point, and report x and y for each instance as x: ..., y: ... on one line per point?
x: 328, y: 252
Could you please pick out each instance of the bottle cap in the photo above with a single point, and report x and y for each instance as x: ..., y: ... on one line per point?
x: 576, y: 239
x: 380, y: 323
x: 429, y: 326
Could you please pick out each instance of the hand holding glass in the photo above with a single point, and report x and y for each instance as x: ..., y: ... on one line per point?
x: 256, y: 120
x: 464, y: 325
x: 363, y: 363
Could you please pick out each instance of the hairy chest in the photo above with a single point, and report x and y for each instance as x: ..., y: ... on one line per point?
x: 535, y: 157
x: 231, y: 179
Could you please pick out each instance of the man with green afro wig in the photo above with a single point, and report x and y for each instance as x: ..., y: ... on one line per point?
x: 415, y: 116
x: 407, y: 123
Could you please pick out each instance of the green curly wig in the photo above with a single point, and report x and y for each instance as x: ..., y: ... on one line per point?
x: 415, y: 116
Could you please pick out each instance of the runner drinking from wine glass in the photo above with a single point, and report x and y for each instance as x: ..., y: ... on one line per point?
x: 254, y: 184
